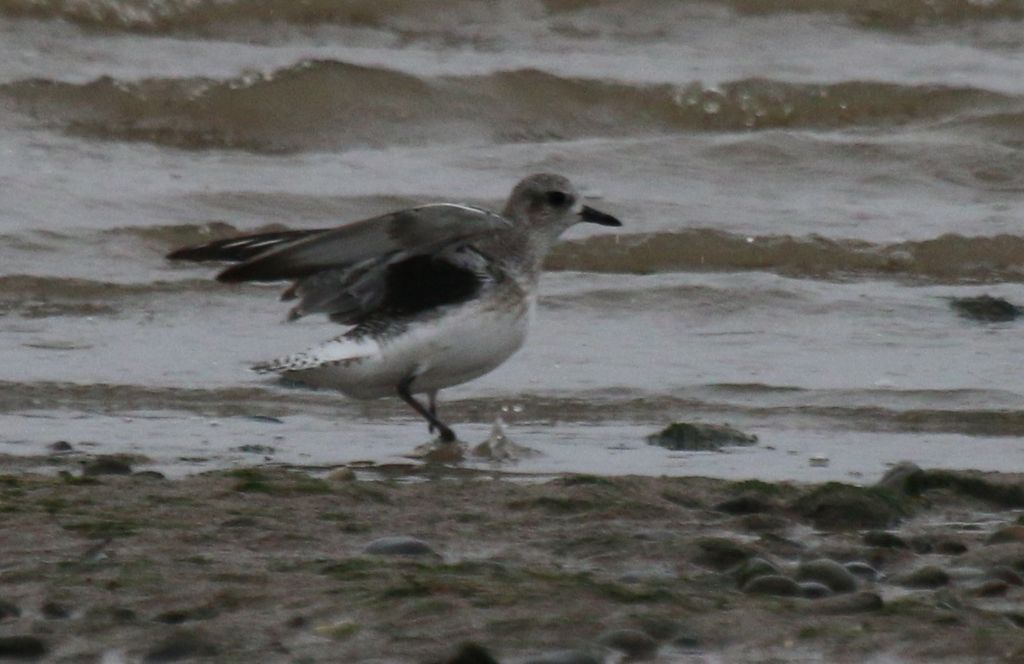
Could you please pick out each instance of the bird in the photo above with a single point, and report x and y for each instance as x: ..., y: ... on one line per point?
x: 432, y: 296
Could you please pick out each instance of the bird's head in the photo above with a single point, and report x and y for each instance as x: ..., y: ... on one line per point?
x: 549, y: 202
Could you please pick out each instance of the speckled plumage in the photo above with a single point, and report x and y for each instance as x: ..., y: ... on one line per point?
x: 436, y: 295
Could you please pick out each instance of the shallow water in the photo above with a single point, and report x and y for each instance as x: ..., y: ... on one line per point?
x: 804, y: 187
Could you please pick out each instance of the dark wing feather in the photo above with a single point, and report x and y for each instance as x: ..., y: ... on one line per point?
x: 242, y: 248
x: 399, y: 263
x: 421, y: 230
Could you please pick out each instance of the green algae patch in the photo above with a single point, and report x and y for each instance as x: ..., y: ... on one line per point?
x: 104, y: 528
x: 838, y: 506
x: 1003, y: 495
x: 251, y: 480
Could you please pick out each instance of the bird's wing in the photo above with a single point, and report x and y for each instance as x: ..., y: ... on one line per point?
x: 421, y: 230
x: 344, y: 272
x: 241, y: 248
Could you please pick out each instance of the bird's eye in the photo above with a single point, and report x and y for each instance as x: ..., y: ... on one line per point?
x: 557, y: 198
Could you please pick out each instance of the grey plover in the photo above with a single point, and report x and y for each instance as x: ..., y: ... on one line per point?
x: 435, y: 295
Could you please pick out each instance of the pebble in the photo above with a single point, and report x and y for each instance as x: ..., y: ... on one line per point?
x: 861, y: 602
x: 814, y: 590
x: 180, y: 646
x: 56, y: 611
x: 929, y: 576
x: 107, y: 465
x: 21, y: 647
x: 60, y: 446
x: 936, y: 544
x: 722, y: 553
x: 149, y: 475
x: 885, y: 539
x: 772, y: 584
x: 829, y: 573
x: 991, y: 588
x: 760, y: 523
x: 754, y: 568
x: 342, y: 475
x: 745, y: 504
x: 862, y: 570
x: 1006, y: 575
x: 896, y: 477
x: 565, y: 657
x: 399, y: 545
x: 632, y: 642
x: 1007, y: 535
x: 471, y: 653
x: 8, y: 610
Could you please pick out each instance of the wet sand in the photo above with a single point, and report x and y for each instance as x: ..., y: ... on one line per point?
x: 106, y: 562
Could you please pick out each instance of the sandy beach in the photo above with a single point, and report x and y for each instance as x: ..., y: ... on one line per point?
x: 104, y: 561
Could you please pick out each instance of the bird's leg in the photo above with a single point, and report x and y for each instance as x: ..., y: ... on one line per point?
x: 447, y: 435
x: 432, y: 407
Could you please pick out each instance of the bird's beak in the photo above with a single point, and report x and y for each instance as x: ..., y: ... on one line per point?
x: 597, y: 217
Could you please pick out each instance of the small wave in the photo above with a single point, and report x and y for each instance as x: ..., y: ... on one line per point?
x: 217, y: 16
x: 949, y: 258
x: 892, y: 14
x: 330, y: 105
x: 27, y: 293
x: 204, y: 16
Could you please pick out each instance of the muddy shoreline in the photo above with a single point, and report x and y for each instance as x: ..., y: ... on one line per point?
x: 101, y: 562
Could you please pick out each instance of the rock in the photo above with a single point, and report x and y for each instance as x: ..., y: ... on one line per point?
x: 686, y: 642
x: 862, y: 570
x: 761, y: 523
x: 340, y: 630
x: 8, y: 610
x: 632, y: 642
x: 746, y: 504
x: 55, y: 611
x: 896, y: 477
x: 441, y: 453
x: 1003, y: 494
x: 991, y: 588
x: 1006, y: 535
x: 772, y: 584
x: 986, y: 309
x: 699, y: 437
x: 107, y: 465
x: 180, y: 646
x: 342, y: 475
x: 21, y: 647
x: 829, y: 573
x: 937, y: 544
x: 471, y: 653
x: 565, y: 657
x: 929, y: 576
x: 60, y: 446
x: 814, y: 590
x: 399, y: 545
x: 178, y: 616
x: 721, y: 553
x: 950, y: 547
x: 861, y: 602
x: 754, y: 568
x: 662, y: 628
x: 149, y: 475
x: 837, y: 506
x: 884, y: 539
x: 1006, y: 575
